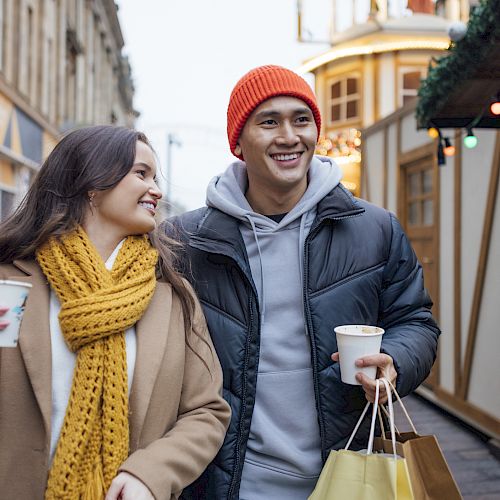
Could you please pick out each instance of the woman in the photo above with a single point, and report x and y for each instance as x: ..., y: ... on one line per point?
x: 114, y: 389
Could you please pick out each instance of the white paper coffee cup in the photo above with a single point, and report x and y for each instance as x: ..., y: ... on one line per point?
x: 354, y: 342
x: 13, y: 294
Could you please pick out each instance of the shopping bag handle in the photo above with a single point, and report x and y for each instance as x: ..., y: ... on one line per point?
x: 374, y: 417
x: 392, y: 425
x: 382, y: 427
x: 402, y: 407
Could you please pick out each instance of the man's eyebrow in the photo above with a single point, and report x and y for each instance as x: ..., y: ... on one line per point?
x: 262, y: 115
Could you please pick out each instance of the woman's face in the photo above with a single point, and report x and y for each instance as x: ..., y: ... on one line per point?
x: 129, y: 208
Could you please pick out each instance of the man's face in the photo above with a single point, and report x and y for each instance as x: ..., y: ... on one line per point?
x: 277, y: 144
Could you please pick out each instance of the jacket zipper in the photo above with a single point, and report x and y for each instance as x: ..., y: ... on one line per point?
x: 309, y: 327
x: 236, y: 473
x: 312, y: 340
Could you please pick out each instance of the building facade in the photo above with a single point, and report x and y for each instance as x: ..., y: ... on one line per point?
x: 61, y: 67
x: 374, y: 67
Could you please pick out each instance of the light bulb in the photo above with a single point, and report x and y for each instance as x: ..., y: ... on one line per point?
x: 449, y: 149
x: 470, y: 140
x: 433, y: 132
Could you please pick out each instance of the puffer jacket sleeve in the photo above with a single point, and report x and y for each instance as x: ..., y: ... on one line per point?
x: 411, y: 333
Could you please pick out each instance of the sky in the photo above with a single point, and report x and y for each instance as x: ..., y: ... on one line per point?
x: 186, y: 56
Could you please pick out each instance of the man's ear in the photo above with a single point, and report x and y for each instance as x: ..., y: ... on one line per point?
x: 237, y: 150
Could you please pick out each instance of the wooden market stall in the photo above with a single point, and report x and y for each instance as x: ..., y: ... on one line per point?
x: 450, y: 208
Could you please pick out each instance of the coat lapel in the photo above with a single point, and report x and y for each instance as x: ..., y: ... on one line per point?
x: 34, y: 337
x: 151, y: 332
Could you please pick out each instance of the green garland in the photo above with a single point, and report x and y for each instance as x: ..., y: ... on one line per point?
x: 483, y: 30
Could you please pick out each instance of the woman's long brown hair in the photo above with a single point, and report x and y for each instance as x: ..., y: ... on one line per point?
x: 88, y: 159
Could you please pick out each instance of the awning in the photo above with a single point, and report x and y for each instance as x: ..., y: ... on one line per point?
x: 460, y: 86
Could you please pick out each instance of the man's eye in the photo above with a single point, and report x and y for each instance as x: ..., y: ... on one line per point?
x: 303, y: 119
x: 269, y: 122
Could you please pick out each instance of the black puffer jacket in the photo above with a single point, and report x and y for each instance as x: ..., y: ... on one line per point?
x: 359, y: 268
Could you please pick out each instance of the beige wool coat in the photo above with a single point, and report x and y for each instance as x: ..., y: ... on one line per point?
x: 177, y: 416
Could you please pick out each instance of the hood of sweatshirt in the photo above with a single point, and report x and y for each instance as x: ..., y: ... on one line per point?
x: 226, y: 192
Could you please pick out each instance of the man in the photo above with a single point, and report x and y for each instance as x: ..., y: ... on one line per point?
x: 283, y: 254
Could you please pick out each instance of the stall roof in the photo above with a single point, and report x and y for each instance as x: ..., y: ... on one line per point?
x: 460, y: 86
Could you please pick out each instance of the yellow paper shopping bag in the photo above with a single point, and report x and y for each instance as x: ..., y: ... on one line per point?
x: 365, y: 475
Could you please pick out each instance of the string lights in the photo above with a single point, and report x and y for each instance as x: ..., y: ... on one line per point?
x: 449, y: 148
x: 470, y: 140
x: 445, y: 146
x: 433, y: 132
x: 495, y: 105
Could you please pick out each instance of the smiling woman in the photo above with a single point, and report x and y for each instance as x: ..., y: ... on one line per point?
x: 113, y: 348
x: 126, y: 209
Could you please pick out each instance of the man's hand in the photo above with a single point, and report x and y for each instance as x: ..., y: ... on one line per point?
x: 385, y: 368
x: 3, y: 324
x: 127, y: 487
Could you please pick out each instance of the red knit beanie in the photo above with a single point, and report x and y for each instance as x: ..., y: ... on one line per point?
x: 259, y: 85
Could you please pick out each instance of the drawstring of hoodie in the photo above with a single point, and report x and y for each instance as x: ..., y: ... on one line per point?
x: 262, y: 299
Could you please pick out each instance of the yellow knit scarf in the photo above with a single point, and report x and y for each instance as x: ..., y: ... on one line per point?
x: 97, y: 306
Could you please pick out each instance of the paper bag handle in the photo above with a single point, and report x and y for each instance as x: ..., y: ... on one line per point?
x: 402, y: 407
x: 391, y: 416
x: 374, y: 416
x: 382, y: 428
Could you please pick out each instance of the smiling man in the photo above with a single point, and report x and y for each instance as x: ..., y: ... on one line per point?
x: 281, y: 255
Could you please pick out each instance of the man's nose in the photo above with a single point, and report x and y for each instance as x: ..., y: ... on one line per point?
x: 288, y: 135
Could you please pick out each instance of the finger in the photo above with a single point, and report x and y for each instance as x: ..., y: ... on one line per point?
x: 381, y: 360
x: 370, y: 386
x: 335, y: 356
x: 4, y: 325
x: 115, y: 489
x: 3, y: 310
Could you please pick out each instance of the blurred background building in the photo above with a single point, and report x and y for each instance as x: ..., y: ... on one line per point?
x: 61, y: 67
x: 434, y: 160
x: 379, y: 55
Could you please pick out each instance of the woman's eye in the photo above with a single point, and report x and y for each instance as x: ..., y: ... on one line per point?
x: 141, y: 173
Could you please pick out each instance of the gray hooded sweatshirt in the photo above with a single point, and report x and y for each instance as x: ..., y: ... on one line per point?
x: 283, y: 457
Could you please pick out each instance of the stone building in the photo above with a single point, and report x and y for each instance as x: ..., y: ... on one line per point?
x: 61, y: 67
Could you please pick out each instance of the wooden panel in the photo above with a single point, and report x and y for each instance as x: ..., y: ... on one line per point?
x: 385, y: 166
x: 486, y: 422
x: 421, y: 165
x: 457, y: 268
x: 481, y: 269
x: 7, y: 174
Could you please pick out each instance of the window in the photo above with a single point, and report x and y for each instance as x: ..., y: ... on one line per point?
x: 409, y: 82
x: 6, y: 203
x: 344, y: 99
x: 419, y: 195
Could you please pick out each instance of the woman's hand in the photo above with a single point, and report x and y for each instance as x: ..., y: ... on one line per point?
x: 3, y: 324
x: 127, y: 487
x: 385, y: 368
